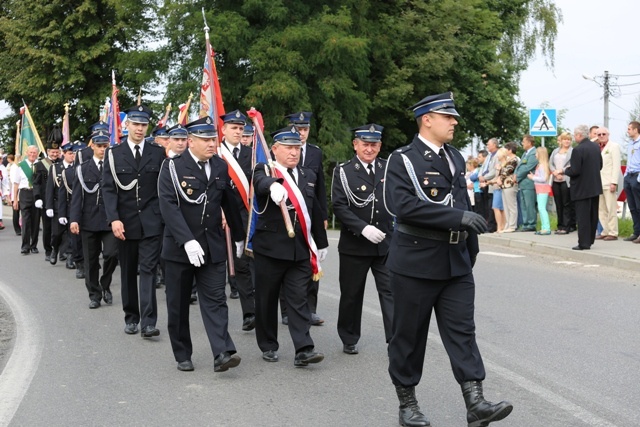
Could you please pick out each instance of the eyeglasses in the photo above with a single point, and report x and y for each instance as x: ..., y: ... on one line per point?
x: 601, y: 134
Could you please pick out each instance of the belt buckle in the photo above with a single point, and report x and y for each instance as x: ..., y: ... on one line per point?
x: 454, y: 237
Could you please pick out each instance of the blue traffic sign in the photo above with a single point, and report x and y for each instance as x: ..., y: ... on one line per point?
x: 543, y: 122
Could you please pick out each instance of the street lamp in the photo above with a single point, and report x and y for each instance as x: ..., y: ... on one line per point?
x: 607, y: 92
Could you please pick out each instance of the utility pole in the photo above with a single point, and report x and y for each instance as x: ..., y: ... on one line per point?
x: 606, y: 99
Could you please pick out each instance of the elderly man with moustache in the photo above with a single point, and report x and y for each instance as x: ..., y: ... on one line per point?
x: 611, y: 177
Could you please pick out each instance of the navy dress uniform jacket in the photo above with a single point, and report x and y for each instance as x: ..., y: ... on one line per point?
x: 53, y: 187
x: 87, y: 209
x: 65, y: 192
x: 186, y: 221
x: 418, y: 256
x: 270, y: 237
x: 354, y: 219
x: 141, y: 217
x: 313, y: 161
x: 41, y: 178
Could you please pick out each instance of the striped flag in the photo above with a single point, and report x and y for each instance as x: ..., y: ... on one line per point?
x: 28, y: 134
x: 114, y: 113
x: 210, y: 94
x: 183, y: 116
x: 260, y: 155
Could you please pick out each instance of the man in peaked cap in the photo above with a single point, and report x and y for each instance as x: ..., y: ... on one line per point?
x: 40, y: 179
x: 177, y: 140
x: 284, y: 262
x: 130, y: 191
x: 88, y: 219
x: 431, y: 258
x: 160, y: 136
x: 311, y: 157
x: 65, y: 194
x: 193, y: 188
x: 238, y: 158
x: 356, y: 194
x: 247, y: 135
x: 59, y: 235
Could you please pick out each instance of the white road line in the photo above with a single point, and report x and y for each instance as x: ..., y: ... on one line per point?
x: 502, y: 254
x: 25, y: 356
x: 540, y: 391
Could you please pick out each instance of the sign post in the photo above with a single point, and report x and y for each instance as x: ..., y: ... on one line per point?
x: 543, y: 122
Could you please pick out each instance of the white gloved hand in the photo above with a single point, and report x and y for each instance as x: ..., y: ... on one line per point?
x: 322, y: 254
x: 373, y: 234
x: 239, y: 248
x: 62, y: 221
x: 49, y: 213
x: 38, y: 204
x: 194, y: 252
x: 278, y: 192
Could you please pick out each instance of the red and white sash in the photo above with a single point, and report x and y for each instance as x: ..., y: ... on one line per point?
x: 237, y: 175
x: 297, y: 200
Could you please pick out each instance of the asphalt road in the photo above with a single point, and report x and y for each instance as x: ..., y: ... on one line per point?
x: 558, y: 340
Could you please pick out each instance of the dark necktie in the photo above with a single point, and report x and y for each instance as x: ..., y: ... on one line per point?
x: 444, y: 159
x: 138, y: 155
x: 302, y: 162
x: 370, y: 169
x: 235, y: 152
x: 292, y: 175
x: 202, y: 166
x: 100, y: 166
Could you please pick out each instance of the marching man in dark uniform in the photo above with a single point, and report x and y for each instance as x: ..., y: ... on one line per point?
x: 285, y: 262
x: 130, y: 191
x: 58, y: 231
x: 431, y: 257
x: 192, y: 189
x: 357, y: 198
x: 65, y: 195
x: 89, y: 220
x: 40, y: 185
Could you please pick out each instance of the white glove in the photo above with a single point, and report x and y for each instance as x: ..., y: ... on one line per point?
x: 278, y: 192
x: 239, y: 248
x: 322, y: 254
x: 62, y: 221
x: 49, y: 213
x: 194, y: 252
x: 373, y: 234
x: 39, y: 203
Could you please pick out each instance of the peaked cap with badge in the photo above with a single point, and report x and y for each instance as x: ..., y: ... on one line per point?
x: 441, y: 104
x: 139, y: 114
x: 286, y: 136
x: 203, y: 128
x: 234, y: 116
x: 301, y: 119
x: 369, y: 133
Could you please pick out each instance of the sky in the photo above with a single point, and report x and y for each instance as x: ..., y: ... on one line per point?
x: 595, y: 36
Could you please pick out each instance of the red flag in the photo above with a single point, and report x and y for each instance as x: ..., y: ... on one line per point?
x: 210, y: 94
x: 114, y: 116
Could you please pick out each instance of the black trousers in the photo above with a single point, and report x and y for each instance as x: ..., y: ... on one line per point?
x: 294, y: 278
x: 453, y: 302
x: 210, y: 280
x: 139, y: 302
x: 75, y: 244
x: 312, y: 297
x: 59, y: 234
x: 353, y: 277
x: 16, y: 221
x: 94, y: 243
x: 489, y: 215
x: 30, y: 220
x: 587, y: 217
x: 244, y: 282
x: 564, y: 206
x: 46, y: 232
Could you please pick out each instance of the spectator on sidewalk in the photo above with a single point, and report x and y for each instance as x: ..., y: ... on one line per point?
x: 487, y: 173
x: 541, y: 178
x: 495, y: 184
x: 473, y: 187
x: 509, y: 187
x: 479, y: 202
x: 631, y: 184
x: 610, y: 176
x: 558, y: 161
x: 526, y: 189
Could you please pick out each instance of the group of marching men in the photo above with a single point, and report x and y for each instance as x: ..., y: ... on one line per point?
x: 180, y: 202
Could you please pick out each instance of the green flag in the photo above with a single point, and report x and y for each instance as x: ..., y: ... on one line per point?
x: 28, y: 134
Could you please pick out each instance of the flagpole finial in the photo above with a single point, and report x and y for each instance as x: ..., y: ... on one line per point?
x: 204, y: 18
x: 66, y: 107
x: 140, y: 96
x: 190, y: 95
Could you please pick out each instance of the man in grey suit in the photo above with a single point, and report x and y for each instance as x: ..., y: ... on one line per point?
x: 487, y: 173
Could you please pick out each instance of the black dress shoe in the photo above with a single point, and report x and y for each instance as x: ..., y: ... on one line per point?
x: 108, y: 298
x: 350, y: 349
x: 630, y: 238
x: 249, y: 323
x: 316, y: 320
x: 149, y: 331
x: 185, y: 366
x: 303, y: 358
x: 234, y: 295
x: 35, y: 251
x: 94, y: 304
x: 224, y: 361
x: 270, y: 356
x: 25, y: 252
x: 53, y: 259
x: 70, y: 265
x: 581, y: 248
x: 63, y: 257
x: 47, y: 257
x: 285, y: 320
x: 131, y: 328
x: 194, y: 298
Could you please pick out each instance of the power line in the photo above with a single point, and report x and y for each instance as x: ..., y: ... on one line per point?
x: 626, y: 75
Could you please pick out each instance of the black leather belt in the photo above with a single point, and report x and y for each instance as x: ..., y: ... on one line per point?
x: 453, y: 237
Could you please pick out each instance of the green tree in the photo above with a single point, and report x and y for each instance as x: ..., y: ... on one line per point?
x: 55, y: 51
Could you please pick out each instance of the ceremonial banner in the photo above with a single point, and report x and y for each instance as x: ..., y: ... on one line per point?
x: 260, y: 155
x: 65, y: 126
x: 183, y: 116
x: 114, y: 113
x: 210, y: 95
x: 28, y: 134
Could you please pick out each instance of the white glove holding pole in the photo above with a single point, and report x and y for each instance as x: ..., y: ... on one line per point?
x: 49, y: 213
x: 239, y: 248
x: 62, y: 221
x: 194, y: 252
x: 278, y: 192
x: 38, y: 204
x: 373, y: 234
x: 322, y: 254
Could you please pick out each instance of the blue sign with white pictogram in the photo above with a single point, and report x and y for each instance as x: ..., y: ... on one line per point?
x: 543, y: 122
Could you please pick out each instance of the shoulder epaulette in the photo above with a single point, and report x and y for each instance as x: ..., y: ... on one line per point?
x: 345, y: 163
x: 313, y: 145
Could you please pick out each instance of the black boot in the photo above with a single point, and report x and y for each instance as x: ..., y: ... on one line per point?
x: 54, y: 256
x: 480, y: 412
x: 410, y: 414
x: 79, y: 270
x: 69, y: 264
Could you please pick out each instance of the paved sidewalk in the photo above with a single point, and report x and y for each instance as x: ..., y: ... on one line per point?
x: 617, y: 253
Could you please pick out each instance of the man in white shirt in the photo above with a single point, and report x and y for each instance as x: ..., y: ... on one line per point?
x: 22, y: 178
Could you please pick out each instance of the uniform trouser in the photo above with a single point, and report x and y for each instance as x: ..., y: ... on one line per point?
x: 608, y: 212
x: 587, y: 216
x: 312, y: 297
x: 93, y: 243
x: 632, y: 190
x: 210, y: 280
x: 46, y: 233
x: 16, y: 221
x: 527, y: 199
x: 75, y: 243
x: 59, y: 235
x: 565, y: 209
x: 453, y: 302
x: 30, y: 220
x: 139, y: 302
x: 353, y: 277
x: 294, y: 278
x: 244, y: 282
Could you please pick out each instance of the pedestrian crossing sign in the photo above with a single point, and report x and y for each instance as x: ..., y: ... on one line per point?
x: 542, y: 122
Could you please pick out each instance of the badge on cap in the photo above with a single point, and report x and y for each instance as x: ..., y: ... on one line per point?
x: 451, y: 95
x: 208, y: 120
x: 301, y: 116
x: 183, y: 183
x: 140, y: 108
x: 238, y: 114
x: 363, y: 188
x: 189, y: 191
x: 54, y: 146
x: 372, y: 129
x: 434, y: 192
